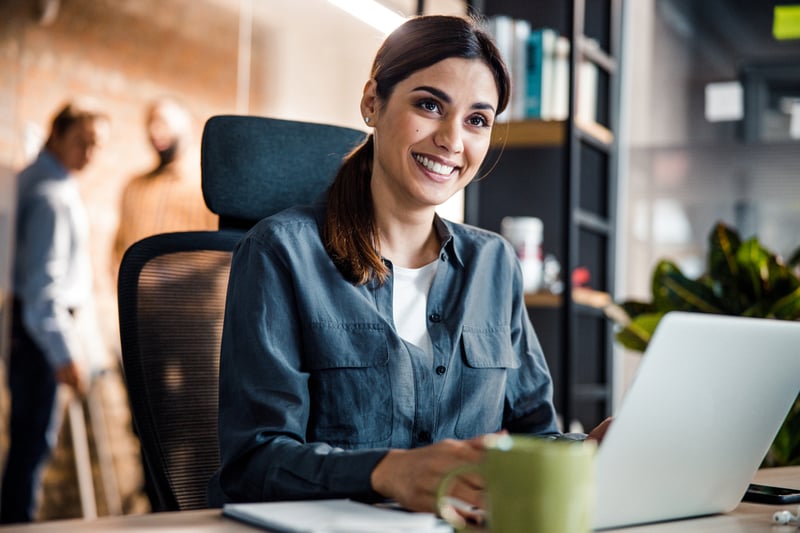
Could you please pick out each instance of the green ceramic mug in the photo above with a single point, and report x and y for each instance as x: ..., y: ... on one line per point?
x: 533, y: 485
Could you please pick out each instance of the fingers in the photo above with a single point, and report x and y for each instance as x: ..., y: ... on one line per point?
x: 412, y: 477
x: 469, y: 491
x: 70, y: 375
x: 599, y: 432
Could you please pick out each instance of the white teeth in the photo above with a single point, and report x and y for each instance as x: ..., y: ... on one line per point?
x: 438, y: 168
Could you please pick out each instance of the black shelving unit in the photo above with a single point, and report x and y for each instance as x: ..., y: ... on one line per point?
x: 565, y: 174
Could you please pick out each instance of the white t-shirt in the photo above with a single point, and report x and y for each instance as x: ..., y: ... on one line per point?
x: 410, y: 301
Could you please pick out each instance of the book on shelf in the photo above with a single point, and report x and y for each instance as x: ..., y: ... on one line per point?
x: 559, y: 103
x: 587, y: 87
x: 501, y: 27
x: 548, y: 75
x: 519, y: 67
x: 538, y: 62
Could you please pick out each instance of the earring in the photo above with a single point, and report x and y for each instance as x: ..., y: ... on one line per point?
x: 366, y: 120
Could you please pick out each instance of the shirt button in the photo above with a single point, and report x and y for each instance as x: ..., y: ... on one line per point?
x: 443, y: 256
x: 440, y: 370
x: 434, y: 317
x: 424, y: 436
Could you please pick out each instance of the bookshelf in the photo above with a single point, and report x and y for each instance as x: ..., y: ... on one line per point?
x: 564, y: 172
x: 529, y: 133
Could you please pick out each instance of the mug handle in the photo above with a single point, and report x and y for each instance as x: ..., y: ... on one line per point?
x: 446, y: 506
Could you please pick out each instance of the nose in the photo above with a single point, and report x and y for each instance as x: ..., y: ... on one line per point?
x: 448, y: 136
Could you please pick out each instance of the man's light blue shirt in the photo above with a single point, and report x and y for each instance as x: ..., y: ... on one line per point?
x: 316, y: 385
x: 52, y: 267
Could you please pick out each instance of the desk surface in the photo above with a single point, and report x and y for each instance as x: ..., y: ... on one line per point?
x: 748, y: 517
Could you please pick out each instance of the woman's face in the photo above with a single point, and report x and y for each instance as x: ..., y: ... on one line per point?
x: 432, y: 133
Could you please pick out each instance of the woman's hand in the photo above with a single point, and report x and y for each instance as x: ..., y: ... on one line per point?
x: 412, y: 477
x: 599, y: 432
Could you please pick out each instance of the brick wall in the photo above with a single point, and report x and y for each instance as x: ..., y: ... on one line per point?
x: 123, y: 53
x: 309, y: 62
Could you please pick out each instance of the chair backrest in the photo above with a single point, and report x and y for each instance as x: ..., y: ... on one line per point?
x: 171, y: 302
x: 172, y: 287
x: 254, y: 167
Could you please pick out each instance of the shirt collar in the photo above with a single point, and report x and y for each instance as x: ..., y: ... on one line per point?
x: 55, y: 168
x: 443, y: 229
x: 448, y: 239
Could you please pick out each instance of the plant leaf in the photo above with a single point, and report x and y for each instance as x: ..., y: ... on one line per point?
x: 635, y: 308
x: 794, y: 258
x: 672, y: 291
x: 786, y: 308
x: 753, y: 261
x: 723, y: 242
x: 636, y: 335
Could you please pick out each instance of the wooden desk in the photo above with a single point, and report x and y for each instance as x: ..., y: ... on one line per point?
x: 747, y: 518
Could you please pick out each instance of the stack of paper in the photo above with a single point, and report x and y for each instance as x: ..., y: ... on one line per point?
x: 333, y: 516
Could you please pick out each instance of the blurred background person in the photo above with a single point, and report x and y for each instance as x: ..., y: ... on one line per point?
x: 168, y: 197
x: 52, y: 287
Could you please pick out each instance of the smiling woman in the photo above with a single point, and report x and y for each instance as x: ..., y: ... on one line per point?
x: 412, y: 72
x: 369, y: 344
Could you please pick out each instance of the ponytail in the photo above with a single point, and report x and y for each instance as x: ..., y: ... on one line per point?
x: 349, y: 232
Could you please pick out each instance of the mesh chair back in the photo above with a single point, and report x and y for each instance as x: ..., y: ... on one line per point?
x: 171, y: 302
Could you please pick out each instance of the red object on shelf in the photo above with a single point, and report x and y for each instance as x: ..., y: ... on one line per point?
x: 581, y: 277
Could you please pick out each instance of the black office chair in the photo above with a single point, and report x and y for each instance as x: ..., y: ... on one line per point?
x: 172, y: 288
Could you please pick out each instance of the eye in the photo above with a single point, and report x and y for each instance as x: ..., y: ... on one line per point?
x: 429, y: 105
x: 479, y: 121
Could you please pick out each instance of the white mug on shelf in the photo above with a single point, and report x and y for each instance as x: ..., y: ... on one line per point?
x: 525, y: 235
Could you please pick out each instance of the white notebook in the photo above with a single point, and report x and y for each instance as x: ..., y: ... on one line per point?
x: 333, y: 516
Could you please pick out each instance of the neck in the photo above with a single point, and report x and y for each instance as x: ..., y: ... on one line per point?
x: 407, y: 240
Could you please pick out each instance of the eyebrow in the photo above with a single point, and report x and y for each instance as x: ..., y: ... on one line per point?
x: 443, y: 96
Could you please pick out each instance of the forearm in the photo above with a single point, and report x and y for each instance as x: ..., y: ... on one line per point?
x: 52, y: 329
x: 285, y: 469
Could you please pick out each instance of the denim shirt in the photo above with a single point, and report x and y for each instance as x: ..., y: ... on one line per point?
x: 316, y: 385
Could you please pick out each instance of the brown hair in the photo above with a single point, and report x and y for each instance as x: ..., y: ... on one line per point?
x: 349, y: 232
x: 71, y: 113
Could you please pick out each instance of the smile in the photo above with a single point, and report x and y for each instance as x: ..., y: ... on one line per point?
x: 433, y: 166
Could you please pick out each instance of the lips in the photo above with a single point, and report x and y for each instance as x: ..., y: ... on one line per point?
x: 434, y: 166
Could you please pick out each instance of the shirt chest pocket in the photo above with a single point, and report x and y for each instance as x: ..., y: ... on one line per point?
x: 488, y: 356
x: 349, y: 386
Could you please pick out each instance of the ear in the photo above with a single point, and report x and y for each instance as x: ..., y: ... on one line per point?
x: 369, y: 100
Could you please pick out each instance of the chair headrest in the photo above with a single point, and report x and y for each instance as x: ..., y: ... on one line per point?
x: 253, y: 167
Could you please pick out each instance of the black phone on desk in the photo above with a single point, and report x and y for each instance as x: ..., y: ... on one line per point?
x: 769, y: 494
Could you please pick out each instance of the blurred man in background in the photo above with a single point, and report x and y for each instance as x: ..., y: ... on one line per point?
x: 52, y: 283
x: 168, y: 197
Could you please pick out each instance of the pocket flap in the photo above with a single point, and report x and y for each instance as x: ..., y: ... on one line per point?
x: 489, y: 348
x: 347, y: 346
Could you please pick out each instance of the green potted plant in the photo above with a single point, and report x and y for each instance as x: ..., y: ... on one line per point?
x: 742, y: 278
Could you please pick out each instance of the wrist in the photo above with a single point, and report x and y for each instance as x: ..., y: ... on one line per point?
x: 381, y: 475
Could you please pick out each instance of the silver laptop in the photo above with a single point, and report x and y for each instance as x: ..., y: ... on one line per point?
x: 706, y: 403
